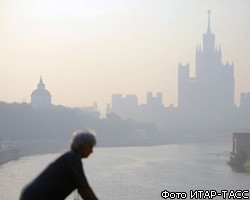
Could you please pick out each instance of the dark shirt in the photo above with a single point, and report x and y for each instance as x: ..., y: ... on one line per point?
x: 58, y: 180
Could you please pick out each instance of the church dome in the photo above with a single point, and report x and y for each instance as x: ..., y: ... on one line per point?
x: 40, y: 96
x: 38, y: 92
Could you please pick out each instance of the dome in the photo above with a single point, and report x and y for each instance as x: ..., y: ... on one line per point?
x: 40, y: 96
x: 41, y: 92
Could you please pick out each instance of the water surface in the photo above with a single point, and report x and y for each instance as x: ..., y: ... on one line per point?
x: 138, y: 172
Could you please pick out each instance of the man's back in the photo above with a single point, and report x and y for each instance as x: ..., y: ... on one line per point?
x: 58, y: 180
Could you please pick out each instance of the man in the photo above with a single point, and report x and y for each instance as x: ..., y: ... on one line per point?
x: 65, y: 174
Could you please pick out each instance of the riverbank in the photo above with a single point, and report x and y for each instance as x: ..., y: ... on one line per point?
x: 195, y: 137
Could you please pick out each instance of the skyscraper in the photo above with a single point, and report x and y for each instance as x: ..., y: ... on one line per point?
x: 210, y: 94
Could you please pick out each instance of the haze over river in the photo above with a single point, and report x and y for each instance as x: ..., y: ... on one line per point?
x: 139, y: 172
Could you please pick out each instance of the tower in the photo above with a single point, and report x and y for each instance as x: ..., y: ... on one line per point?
x: 215, y: 81
x: 210, y: 94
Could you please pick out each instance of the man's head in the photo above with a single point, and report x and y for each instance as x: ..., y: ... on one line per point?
x: 83, y: 142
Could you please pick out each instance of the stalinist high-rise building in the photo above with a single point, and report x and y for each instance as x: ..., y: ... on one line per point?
x: 210, y: 94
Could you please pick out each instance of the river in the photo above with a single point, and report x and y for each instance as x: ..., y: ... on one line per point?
x: 139, y: 172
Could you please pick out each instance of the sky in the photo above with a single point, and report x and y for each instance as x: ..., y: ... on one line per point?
x: 88, y: 50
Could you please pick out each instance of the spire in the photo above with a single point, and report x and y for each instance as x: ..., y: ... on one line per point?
x: 41, y: 80
x: 208, y: 24
x: 41, y: 85
x: 208, y: 38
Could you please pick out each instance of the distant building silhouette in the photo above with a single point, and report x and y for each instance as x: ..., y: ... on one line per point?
x: 240, y: 156
x: 126, y: 107
x: 241, y: 143
x: 245, y: 101
x: 204, y: 101
x: 154, y: 101
x: 40, y: 97
x: 91, y: 110
x: 210, y: 94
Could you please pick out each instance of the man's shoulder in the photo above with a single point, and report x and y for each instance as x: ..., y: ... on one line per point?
x: 70, y: 155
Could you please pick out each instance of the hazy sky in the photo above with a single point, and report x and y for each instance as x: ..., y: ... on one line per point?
x: 88, y: 49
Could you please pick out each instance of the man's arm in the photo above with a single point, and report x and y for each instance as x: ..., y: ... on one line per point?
x: 87, y: 193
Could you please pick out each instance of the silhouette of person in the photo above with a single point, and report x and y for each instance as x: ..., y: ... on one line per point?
x: 65, y: 174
